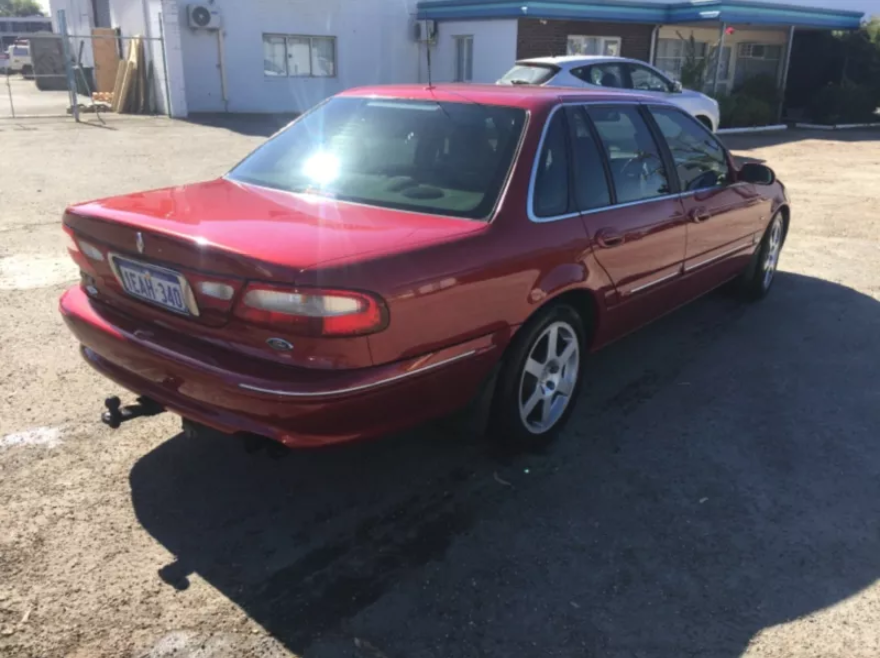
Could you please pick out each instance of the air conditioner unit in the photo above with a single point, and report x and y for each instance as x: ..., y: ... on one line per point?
x: 203, y: 17
x: 425, y: 30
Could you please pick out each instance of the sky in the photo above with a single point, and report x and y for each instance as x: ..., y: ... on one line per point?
x: 45, y: 5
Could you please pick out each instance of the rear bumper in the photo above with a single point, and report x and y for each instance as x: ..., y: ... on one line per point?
x: 295, y: 406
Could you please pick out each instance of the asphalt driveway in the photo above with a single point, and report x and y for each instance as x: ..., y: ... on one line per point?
x: 717, y: 492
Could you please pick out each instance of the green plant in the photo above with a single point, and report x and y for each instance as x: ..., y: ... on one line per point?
x: 844, y: 103
x: 693, y: 67
x: 20, y: 8
x: 696, y: 66
x: 762, y: 86
x: 741, y: 110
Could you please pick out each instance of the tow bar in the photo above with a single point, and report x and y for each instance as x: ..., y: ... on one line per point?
x: 116, y: 414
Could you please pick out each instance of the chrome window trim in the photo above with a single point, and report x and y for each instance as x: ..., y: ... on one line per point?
x: 362, y: 387
x: 534, y: 176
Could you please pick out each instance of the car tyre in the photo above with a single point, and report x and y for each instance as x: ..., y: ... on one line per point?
x: 539, y: 380
x: 758, y: 278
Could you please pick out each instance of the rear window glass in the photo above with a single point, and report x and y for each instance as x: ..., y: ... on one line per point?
x: 442, y: 158
x: 20, y: 51
x: 528, y: 74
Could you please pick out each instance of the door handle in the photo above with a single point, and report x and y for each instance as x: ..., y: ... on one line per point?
x: 608, y: 238
x: 699, y: 215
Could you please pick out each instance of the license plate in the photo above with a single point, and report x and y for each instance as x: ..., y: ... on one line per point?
x: 157, y: 285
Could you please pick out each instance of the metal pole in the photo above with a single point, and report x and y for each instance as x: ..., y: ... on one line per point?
x: 164, y: 63
x: 68, y: 69
x: 786, y: 65
x: 718, y: 54
x: 221, y: 48
x: 9, y: 89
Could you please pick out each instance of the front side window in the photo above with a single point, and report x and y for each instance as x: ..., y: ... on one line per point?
x: 585, y: 45
x: 699, y: 159
x: 464, y: 59
x: 551, y: 193
x: 602, y: 75
x: 644, y: 79
x: 442, y: 158
x: 299, y: 56
x: 637, y: 168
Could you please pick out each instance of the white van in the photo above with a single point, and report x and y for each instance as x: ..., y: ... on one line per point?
x: 19, y: 58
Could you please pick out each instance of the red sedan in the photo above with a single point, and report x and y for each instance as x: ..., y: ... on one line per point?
x: 400, y: 251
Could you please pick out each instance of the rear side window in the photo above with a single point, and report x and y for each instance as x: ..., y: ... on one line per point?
x: 633, y: 156
x: 551, y: 192
x: 699, y: 159
x: 602, y: 75
x: 590, y: 182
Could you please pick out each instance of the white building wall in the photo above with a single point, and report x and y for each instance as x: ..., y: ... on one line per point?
x: 494, y: 49
x: 374, y: 45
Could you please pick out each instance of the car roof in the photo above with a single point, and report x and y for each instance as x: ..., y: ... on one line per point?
x: 524, y: 96
x: 570, y: 61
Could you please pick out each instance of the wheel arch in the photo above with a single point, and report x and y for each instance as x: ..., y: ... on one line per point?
x: 785, y: 210
x: 706, y: 121
x: 583, y: 300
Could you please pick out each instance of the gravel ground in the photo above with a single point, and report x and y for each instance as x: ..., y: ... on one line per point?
x: 717, y: 493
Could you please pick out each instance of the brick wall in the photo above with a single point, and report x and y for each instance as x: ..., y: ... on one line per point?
x: 537, y: 40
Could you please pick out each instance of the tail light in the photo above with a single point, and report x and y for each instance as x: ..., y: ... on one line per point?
x: 312, y: 311
x: 78, y: 254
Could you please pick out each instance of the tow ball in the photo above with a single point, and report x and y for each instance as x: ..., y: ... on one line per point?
x: 116, y: 414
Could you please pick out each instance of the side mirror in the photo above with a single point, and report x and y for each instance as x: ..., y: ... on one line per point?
x: 676, y: 87
x: 755, y: 173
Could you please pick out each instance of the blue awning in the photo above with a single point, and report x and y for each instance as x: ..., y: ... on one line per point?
x: 629, y: 11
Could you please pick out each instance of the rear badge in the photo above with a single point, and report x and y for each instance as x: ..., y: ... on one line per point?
x: 279, y: 344
x: 139, y: 241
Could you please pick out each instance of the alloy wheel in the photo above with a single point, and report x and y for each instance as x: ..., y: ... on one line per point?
x: 549, y: 376
x: 774, y: 246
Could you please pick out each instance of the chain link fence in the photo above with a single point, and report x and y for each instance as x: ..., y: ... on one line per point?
x: 61, y: 74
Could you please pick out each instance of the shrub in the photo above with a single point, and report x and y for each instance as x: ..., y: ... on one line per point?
x: 846, y: 103
x: 741, y: 110
x: 763, y: 87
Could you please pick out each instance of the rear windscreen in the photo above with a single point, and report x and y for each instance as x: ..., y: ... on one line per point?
x: 529, y: 74
x: 442, y: 158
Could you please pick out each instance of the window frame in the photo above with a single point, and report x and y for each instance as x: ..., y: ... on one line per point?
x: 731, y: 165
x: 310, y: 38
x: 570, y: 110
x: 533, y: 182
x: 464, y: 41
x: 602, y: 40
x: 660, y: 141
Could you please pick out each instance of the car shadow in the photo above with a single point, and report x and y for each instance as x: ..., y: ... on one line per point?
x: 255, y: 125
x: 720, y: 476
